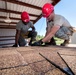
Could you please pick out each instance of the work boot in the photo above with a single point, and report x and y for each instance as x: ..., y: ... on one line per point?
x: 30, y: 43
x: 65, y: 42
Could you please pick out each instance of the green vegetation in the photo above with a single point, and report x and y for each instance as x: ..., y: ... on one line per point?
x: 58, y: 41
x: 39, y: 37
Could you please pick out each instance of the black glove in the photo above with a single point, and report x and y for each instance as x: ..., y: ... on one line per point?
x: 33, y: 31
x: 52, y: 42
x: 37, y: 43
x: 15, y: 45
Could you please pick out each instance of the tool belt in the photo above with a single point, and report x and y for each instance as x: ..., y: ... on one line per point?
x: 25, y: 35
x: 71, y: 30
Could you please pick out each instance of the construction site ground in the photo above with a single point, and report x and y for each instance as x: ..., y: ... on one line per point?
x: 28, y: 61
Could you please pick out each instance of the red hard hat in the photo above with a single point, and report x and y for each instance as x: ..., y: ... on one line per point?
x: 47, y: 9
x: 25, y: 16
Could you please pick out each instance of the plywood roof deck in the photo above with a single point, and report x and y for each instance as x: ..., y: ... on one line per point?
x: 27, y: 61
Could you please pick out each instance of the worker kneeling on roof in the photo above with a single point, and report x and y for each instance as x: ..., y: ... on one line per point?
x: 57, y: 26
x: 22, y: 30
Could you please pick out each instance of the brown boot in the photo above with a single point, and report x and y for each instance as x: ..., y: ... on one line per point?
x: 65, y: 42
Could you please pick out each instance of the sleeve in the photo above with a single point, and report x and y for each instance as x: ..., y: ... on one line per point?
x: 18, y: 26
x: 59, y: 21
x: 47, y: 24
x: 31, y: 24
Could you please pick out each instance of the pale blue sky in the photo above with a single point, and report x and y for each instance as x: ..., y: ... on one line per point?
x: 66, y: 8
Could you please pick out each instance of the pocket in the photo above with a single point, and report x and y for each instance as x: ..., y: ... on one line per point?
x: 71, y: 30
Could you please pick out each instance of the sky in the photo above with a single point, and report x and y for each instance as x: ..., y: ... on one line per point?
x: 66, y: 8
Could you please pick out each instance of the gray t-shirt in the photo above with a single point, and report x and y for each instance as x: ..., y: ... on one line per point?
x: 59, y: 20
x: 22, y: 27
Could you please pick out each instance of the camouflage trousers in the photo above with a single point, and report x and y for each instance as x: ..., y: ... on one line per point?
x: 32, y: 35
x: 64, y: 33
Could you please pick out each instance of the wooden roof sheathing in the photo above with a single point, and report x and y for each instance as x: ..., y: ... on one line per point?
x: 15, y: 7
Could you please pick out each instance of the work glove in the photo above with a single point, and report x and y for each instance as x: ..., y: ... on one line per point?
x: 37, y: 43
x: 33, y: 30
x: 15, y: 45
x: 52, y: 42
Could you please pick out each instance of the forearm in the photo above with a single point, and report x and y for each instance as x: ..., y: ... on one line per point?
x: 17, y: 36
x: 48, y: 37
x: 33, y: 28
x: 47, y: 31
x: 51, y: 33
